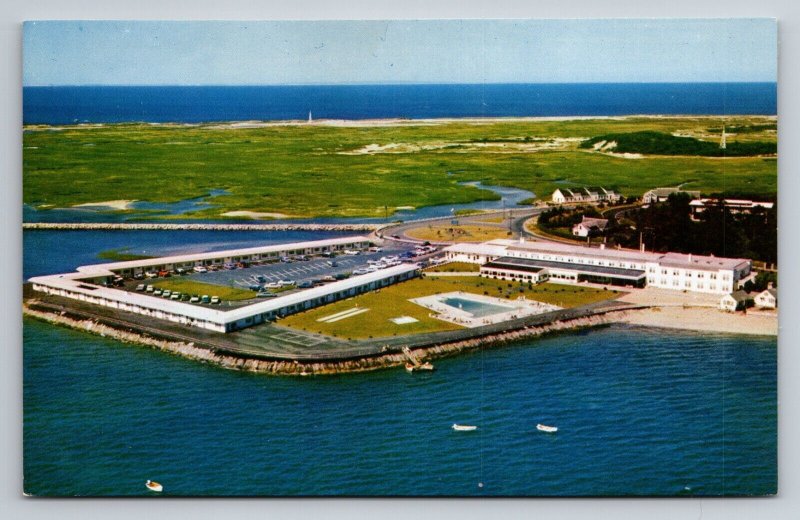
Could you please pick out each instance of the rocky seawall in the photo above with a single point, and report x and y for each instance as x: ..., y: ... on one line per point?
x: 158, y: 226
x: 296, y: 368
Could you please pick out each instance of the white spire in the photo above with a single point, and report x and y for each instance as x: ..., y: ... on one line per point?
x: 310, y: 120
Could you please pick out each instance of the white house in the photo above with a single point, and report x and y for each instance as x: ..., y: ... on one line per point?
x: 588, y: 195
x: 698, y: 206
x: 586, y: 226
x: 734, y: 301
x: 767, y: 299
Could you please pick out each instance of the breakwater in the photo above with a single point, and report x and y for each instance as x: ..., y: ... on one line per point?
x: 305, y: 368
x: 175, y: 226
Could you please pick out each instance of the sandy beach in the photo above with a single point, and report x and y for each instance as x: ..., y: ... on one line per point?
x: 695, y: 311
x: 118, y: 205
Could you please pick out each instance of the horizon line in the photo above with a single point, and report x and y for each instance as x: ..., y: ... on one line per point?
x: 408, y: 83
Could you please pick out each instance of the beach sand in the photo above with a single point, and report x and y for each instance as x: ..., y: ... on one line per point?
x: 255, y: 214
x: 112, y: 204
x: 695, y: 311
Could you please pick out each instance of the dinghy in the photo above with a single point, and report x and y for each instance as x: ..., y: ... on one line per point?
x: 154, y: 486
x: 548, y: 429
x: 464, y: 428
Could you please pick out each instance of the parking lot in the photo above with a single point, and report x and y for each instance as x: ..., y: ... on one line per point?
x: 298, y: 271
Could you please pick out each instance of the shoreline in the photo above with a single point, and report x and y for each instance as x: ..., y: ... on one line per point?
x: 635, y: 317
x: 395, y: 121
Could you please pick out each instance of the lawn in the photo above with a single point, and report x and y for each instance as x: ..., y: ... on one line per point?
x: 319, y: 170
x: 457, y: 233
x: 183, y: 285
x: 454, y: 267
x: 120, y: 255
x: 392, y: 302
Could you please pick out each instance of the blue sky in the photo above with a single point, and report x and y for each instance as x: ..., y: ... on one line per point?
x: 436, y: 51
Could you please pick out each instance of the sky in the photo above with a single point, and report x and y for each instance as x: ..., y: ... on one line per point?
x: 392, y: 52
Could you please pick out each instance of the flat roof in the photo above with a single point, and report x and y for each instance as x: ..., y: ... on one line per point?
x: 104, y: 269
x: 705, y: 263
x: 73, y: 282
x: 616, y: 272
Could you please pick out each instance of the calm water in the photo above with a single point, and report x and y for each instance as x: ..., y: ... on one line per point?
x: 63, y: 105
x: 638, y: 413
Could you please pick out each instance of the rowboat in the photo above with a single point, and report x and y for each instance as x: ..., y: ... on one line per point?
x: 548, y: 429
x: 154, y: 486
x: 464, y: 428
x: 424, y: 366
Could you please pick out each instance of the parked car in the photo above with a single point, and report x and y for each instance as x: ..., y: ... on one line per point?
x: 200, y: 269
x: 138, y: 276
x: 266, y: 294
x: 175, y: 296
x: 166, y: 293
x: 332, y: 263
x: 274, y: 285
x: 285, y: 283
x: 205, y: 299
x: 164, y: 273
x: 185, y: 297
x: 194, y: 299
x: 305, y: 285
x: 255, y: 288
x: 181, y: 271
x: 341, y: 276
x: 261, y: 278
x: 215, y: 300
x: 151, y: 274
x: 140, y: 287
x: 157, y: 292
x: 149, y: 288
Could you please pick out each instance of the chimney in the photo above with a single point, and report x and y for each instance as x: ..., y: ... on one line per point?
x: 769, y: 285
x: 690, y: 258
x: 602, y: 246
x: 521, y: 240
x: 641, y: 247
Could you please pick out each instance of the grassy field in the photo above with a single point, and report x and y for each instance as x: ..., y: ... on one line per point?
x: 120, y: 255
x: 320, y: 170
x: 454, y: 267
x: 459, y: 233
x: 392, y: 302
x: 183, y: 285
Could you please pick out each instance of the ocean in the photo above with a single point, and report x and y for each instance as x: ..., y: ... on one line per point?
x: 639, y: 411
x: 103, y: 104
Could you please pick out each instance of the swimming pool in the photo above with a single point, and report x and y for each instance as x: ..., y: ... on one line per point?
x: 476, y: 308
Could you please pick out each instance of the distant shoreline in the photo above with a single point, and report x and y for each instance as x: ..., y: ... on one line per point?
x: 250, y: 124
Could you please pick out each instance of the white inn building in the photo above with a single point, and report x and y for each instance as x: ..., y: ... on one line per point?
x: 567, y: 263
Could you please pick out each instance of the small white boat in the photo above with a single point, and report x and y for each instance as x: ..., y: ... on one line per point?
x: 464, y: 428
x: 154, y: 486
x: 410, y: 367
x: 548, y: 429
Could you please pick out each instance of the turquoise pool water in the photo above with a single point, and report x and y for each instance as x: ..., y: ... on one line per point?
x: 476, y: 308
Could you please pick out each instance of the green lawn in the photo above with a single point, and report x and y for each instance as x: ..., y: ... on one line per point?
x: 317, y: 170
x: 183, y: 285
x: 392, y: 302
x: 454, y: 267
x: 120, y: 255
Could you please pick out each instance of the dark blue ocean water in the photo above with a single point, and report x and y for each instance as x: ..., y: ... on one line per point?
x: 103, y: 104
x: 639, y: 411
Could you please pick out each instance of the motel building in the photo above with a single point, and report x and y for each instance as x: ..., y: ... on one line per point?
x: 88, y: 285
x: 567, y: 263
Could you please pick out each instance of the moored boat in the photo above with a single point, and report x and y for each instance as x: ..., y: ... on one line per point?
x: 464, y: 428
x: 545, y: 428
x: 154, y: 486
